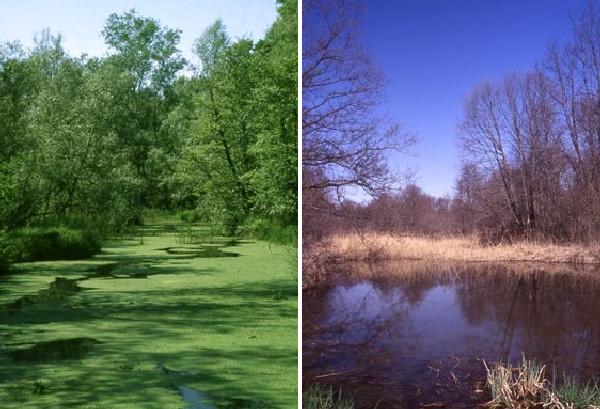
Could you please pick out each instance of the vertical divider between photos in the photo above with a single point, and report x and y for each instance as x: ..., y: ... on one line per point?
x: 299, y: 203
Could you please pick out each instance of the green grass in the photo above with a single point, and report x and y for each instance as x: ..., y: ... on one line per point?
x: 581, y: 396
x: 324, y: 397
x: 222, y: 325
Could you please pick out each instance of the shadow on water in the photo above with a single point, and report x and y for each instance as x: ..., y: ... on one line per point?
x: 60, y: 349
x: 415, y: 333
x: 58, y: 291
x: 199, y: 252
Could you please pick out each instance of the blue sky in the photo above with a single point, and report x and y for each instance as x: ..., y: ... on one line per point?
x: 80, y: 22
x: 434, y: 51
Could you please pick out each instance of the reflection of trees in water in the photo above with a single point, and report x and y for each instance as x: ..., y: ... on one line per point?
x: 351, y: 335
x: 551, y: 316
x: 546, y: 314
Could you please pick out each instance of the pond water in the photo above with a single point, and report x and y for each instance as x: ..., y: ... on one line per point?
x: 415, y: 334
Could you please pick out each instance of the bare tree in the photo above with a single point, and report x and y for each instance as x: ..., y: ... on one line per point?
x: 574, y: 70
x: 343, y: 138
x: 466, y: 202
x: 484, y: 138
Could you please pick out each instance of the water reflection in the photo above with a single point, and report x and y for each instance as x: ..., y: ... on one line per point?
x: 392, y: 331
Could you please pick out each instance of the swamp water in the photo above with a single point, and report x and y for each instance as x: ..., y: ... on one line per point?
x: 414, y: 335
x: 169, y: 318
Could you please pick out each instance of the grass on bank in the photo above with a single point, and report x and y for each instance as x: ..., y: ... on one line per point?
x: 324, y: 397
x: 526, y: 386
x: 375, y: 246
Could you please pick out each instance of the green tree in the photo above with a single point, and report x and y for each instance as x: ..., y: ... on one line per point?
x: 148, y: 52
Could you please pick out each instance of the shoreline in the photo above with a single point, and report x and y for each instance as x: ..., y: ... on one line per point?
x: 319, y: 262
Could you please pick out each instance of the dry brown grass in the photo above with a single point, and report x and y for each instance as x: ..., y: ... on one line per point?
x: 522, y: 387
x: 383, y: 246
x: 526, y: 387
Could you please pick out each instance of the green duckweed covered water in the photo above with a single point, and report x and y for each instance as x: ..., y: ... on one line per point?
x: 153, y: 320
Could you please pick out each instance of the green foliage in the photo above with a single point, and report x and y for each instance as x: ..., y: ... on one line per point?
x: 109, y: 137
x: 240, y: 155
x: 57, y: 243
x: 275, y: 178
x: 145, y: 48
x: 267, y: 230
x: 191, y: 216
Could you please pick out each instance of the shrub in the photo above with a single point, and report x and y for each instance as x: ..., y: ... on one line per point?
x: 274, y: 232
x: 56, y: 243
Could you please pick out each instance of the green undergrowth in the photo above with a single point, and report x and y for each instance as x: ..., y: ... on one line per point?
x: 149, y: 320
x: 272, y: 231
x: 51, y: 243
x: 255, y: 228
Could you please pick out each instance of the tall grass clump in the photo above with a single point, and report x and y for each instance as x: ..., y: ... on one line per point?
x: 324, y: 397
x: 51, y: 243
x: 526, y: 386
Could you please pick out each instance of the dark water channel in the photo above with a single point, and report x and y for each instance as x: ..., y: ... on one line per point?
x: 414, y: 334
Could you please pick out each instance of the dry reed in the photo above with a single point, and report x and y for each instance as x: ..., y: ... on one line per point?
x: 374, y: 246
x: 526, y: 387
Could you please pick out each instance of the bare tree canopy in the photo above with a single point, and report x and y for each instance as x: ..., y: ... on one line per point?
x: 537, y: 138
x: 344, y: 140
x: 531, y: 141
